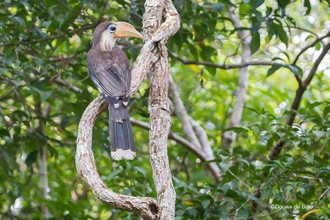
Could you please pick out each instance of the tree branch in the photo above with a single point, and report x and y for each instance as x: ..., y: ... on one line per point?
x: 203, y: 156
x: 229, y: 137
x: 85, y: 163
x: 56, y: 79
x: 233, y: 66
x: 319, y: 39
x: 182, y: 114
x: 194, y: 132
x: 43, y: 113
x: 160, y: 21
x: 276, y: 150
x: 227, y: 66
x: 317, y: 62
x: 61, y: 82
x: 244, y: 64
x: 202, y: 138
x: 146, y: 57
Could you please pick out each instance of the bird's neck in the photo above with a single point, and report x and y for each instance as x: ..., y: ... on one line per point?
x: 107, y: 41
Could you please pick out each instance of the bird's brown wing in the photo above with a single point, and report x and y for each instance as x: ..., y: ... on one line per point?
x: 109, y: 77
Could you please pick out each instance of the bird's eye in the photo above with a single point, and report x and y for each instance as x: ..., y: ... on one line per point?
x: 112, y: 28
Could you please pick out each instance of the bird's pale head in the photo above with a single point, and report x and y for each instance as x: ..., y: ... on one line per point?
x: 107, y: 32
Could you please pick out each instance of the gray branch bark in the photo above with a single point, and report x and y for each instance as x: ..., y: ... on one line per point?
x: 229, y: 137
x: 198, y: 152
x: 228, y: 66
x: 183, y: 115
x: 160, y: 117
x: 85, y: 163
x: 43, y: 113
x: 194, y: 132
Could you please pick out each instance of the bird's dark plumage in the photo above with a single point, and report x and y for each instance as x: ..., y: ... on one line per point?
x: 109, y: 69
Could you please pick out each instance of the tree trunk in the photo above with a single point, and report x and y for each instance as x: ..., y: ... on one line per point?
x: 43, y: 113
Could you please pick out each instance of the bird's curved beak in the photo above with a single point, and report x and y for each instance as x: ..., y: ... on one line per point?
x: 125, y: 29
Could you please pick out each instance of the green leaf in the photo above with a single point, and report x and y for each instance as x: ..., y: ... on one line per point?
x: 237, y: 129
x: 113, y: 174
x: 283, y: 3
x: 193, y: 50
x: 179, y: 212
x: 269, y: 10
x: 318, y: 46
x: 291, y: 20
x: 243, y: 213
x: 270, y: 29
x: 257, y: 3
x: 4, y: 132
x: 307, y: 4
x: 326, y: 111
x: 281, y: 33
x: 218, y: 6
x: 192, y: 211
x: 52, y: 151
x: 10, y: 57
x: 141, y: 170
x: 31, y: 158
x: 211, y: 70
x: 224, y: 166
x: 244, y: 9
x: 273, y: 69
x: 67, y: 121
x: 255, y: 42
x: 207, y: 52
x: 296, y: 70
x: 19, y: 20
x: 43, y: 94
x: 206, y: 203
x: 234, y: 194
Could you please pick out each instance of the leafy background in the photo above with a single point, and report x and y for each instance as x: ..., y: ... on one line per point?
x: 45, y: 88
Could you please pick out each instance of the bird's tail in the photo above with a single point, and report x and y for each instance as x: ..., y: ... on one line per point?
x: 121, y: 135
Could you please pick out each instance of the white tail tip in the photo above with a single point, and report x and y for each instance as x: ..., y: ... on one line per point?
x: 123, y: 154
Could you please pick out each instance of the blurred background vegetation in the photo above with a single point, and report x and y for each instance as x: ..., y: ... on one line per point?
x: 45, y: 88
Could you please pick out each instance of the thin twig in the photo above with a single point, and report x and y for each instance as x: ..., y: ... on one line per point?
x: 309, y: 46
x: 227, y: 66
x: 276, y: 150
x: 67, y: 85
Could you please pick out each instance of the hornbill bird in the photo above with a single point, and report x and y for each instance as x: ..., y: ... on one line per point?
x: 109, y: 69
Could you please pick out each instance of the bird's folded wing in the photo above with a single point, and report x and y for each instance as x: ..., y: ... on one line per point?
x: 110, y: 80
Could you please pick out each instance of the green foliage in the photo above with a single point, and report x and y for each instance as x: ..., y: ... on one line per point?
x: 294, y: 183
x: 44, y: 90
